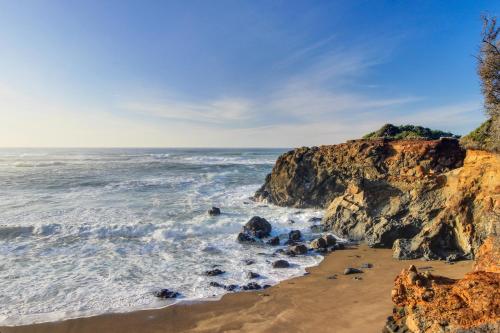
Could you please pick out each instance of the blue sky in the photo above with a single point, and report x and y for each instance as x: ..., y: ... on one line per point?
x: 234, y: 73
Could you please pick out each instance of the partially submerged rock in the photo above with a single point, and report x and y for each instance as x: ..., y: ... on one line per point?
x: 214, y: 211
x: 274, y: 241
x: 252, y: 286
x: 298, y: 249
x: 214, y: 272
x: 258, y: 227
x: 165, y: 294
x: 318, y: 243
x: 253, y: 275
x: 244, y: 238
x: 281, y: 264
x: 295, y: 235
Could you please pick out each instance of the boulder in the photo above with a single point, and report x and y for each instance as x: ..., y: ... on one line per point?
x: 230, y: 287
x: 214, y: 211
x: 245, y: 238
x: 253, y: 275
x: 329, y: 239
x: 274, y: 241
x: 298, y: 249
x: 318, y: 243
x: 252, y: 286
x: 248, y: 262
x: 295, y: 235
x: 216, y: 284
x: 258, y: 227
x: 166, y: 293
x: 214, y: 272
x: 281, y: 264
x: 351, y: 270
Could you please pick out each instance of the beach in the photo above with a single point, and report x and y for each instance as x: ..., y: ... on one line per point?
x: 324, y: 300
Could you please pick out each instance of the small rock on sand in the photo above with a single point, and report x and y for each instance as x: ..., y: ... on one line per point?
x: 351, y: 270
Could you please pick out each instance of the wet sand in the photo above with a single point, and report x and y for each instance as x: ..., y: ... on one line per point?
x: 311, y: 303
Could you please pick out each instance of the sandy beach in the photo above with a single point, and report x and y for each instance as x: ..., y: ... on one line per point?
x: 324, y: 300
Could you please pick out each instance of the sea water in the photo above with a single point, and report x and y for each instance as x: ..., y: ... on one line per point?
x: 91, y: 231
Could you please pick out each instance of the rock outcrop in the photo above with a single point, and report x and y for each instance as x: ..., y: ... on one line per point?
x: 425, y: 303
x: 424, y: 198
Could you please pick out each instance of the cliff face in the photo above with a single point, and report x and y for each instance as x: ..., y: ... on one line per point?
x: 424, y: 198
x: 425, y: 303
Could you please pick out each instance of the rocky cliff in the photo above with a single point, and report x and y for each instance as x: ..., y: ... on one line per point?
x: 424, y: 198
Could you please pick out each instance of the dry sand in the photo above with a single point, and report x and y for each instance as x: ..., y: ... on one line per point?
x: 312, y: 303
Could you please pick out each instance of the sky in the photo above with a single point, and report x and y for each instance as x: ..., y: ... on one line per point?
x: 260, y: 73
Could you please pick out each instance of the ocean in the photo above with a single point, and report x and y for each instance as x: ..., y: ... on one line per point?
x: 91, y: 231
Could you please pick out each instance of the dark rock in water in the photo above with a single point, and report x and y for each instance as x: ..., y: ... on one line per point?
x: 253, y: 275
x: 165, y: 293
x: 339, y: 246
x: 298, y: 249
x: 214, y: 211
x: 330, y: 240
x: 290, y: 242
x: 230, y: 287
x: 281, y: 264
x: 317, y: 228
x: 211, y: 250
x: 244, y: 238
x: 367, y: 265
x: 274, y: 241
x: 351, y: 270
x: 314, y: 219
x: 266, y: 286
x: 217, y: 285
x: 249, y: 261
x: 294, y: 235
x: 280, y: 251
x: 318, y: 243
x: 291, y: 221
x: 252, y: 286
x: 297, y: 212
x: 214, y: 272
x: 258, y: 227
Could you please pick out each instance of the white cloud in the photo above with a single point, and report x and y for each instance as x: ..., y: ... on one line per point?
x: 214, y: 112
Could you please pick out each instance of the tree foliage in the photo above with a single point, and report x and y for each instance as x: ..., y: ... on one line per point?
x: 389, y: 131
x: 487, y: 136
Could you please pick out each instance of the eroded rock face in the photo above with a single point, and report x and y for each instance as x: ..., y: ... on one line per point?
x: 427, y: 303
x: 424, y: 198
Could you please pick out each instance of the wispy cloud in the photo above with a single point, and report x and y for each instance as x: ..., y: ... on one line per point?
x: 321, y: 90
x: 220, y: 111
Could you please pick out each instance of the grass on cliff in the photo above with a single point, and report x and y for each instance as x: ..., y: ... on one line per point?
x: 390, y: 131
x: 481, y: 137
